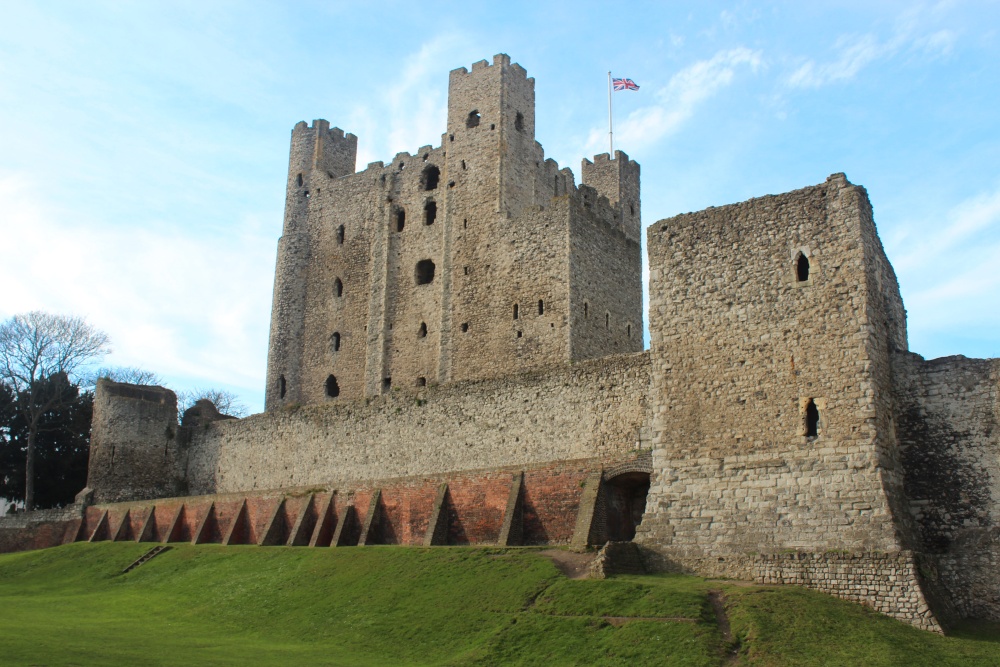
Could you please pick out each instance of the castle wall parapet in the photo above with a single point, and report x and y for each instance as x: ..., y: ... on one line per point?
x: 590, y: 409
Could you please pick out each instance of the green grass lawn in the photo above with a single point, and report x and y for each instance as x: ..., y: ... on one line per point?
x: 211, y: 605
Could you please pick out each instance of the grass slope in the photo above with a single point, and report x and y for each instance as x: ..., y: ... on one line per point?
x: 210, y: 605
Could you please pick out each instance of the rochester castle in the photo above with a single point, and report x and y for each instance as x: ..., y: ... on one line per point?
x: 456, y: 358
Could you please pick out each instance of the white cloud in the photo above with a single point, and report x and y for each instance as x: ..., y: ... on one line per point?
x: 855, y: 52
x: 679, y: 100
x: 413, y: 108
x: 939, y: 43
x: 948, y: 267
x: 184, y: 305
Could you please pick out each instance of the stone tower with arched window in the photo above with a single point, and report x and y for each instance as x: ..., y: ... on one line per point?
x: 417, y: 264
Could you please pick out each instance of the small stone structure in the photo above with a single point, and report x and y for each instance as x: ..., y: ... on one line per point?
x: 456, y: 358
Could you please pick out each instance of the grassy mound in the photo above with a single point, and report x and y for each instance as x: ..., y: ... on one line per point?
x: 210, y: 605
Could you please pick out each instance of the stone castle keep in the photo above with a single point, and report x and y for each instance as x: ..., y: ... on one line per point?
x: 456, y: 358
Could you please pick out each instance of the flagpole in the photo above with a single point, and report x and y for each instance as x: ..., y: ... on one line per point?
x: 611, y: 143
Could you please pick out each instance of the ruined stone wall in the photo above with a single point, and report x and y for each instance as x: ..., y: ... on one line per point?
x: 352, y: 317
x: 136, y: 448
x: 740, y: 346
x: 606, y: 284
x: 348, y: 220
x: 591, y: 410
x: 948, y: 414
x: 883, y: 320
x: 318, y: 154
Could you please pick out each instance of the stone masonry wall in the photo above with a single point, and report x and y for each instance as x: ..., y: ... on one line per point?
x: 136, y: 447
x: 590, y: 410
x: 507, y: 233
x: 947, y: 427
x: 740, y: 346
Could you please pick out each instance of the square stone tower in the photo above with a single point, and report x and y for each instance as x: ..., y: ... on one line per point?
x: 475, y: 259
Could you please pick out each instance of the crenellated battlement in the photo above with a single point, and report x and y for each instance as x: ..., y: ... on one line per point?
x: 501, y: 59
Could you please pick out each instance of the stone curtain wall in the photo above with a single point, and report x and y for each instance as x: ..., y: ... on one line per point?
x: 739, y: 347
x: 947, y: 429
x: 594, y: 409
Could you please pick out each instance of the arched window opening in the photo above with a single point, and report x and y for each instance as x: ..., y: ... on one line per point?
x: 422, y: 331
x: 802, y: 268
x: 281, y: 387
x: 298, y: 180
x: 424, y: 273
x: 338, y: 288
x: 812, y: 419
x: 421, y: 381
x: 473, y: 119
x: 519, y: 122
x: 332, y: 388
x: 586, y: 310
x: 541, y: 307
x: 335, y: 341
x: 386, y: 384
x: 340, y: 235
x: 465, y: 327
x: 493, y: 126
x: 516, y: 312
x: 430, y: 212
x: 607, y: 320
x: 400, y: 219
x: 429, y: 179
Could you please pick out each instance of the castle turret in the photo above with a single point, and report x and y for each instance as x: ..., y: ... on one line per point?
x: 491, y: 130
x: 618, y: 180
x: 316, y: 152
x: 136, y: 450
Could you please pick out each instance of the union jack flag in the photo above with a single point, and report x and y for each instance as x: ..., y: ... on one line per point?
x: 624, y: 84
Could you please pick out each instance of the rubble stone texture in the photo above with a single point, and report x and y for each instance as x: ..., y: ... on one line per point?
x: 468, y: 312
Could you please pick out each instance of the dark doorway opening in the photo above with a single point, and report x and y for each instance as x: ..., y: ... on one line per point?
x: 625, y: 502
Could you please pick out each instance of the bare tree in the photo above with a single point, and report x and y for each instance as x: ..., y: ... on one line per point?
x: 35, y: 349
x: 126, y: 374
x: 226, y: 402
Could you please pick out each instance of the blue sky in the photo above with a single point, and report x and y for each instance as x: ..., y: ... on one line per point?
x: 143, y: 145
